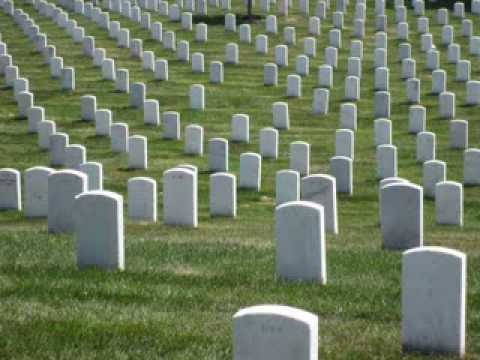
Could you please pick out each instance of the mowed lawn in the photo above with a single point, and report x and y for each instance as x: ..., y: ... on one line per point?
x: 181, y: 287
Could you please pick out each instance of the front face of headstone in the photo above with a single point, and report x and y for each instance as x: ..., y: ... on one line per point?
x: 180, y: 197
x: 119, y: 137
x: 171, y: 125
x: 386, y: 161
x: 287, y: 186
x: 449, y: 203
x: 218, y: 155
x: 103, y: 122
x: 471, y: 171
x: 301, y: 242
x: 99, y: 230
x: 223, y: 195
x: 63, y: 186
x: 300, y: 157
x: 341, y: 168
x: 322, y: 189
x: 250, y: 171
x: 277, y: 332
x: 194, y: 140
x: 36, y: 191
x: 10, y: 190
x: 434, y: 301
x: 434, y: 171
x: 137, y: 95
x: 269, y: 143
x: 142, y: 199
x: 75, y: 155
x: 241, y: 128
x: 94, y: 172
x: 458, y: 134
x: 137, y: 152
x: 401, y: 215
x: 281, y: 119
x: 58, y: 144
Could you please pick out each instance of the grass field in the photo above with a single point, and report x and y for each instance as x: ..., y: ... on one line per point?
x: 181, y: 287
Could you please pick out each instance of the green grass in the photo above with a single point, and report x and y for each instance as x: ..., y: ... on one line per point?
x: 176, y: 298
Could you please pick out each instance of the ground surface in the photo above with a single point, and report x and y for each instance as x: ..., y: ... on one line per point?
x: 176, y: 298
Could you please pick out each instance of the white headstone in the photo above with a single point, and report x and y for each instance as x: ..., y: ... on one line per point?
x: 63, y: 187
x: 193, y: 140
x: 119, y: 137
x: 180, y: 197
x: 301, y: 248
x: 36, y: 191
x: 417, y: 119
x: 275, y: 331
x: 223, y: 195
x: 341, y: 168
x: 171, y: 125
x: 471, y: 170
x: 10, y: 189
x: 137, y: 152
x: 99, y: 230
x: 434, y: 300
x: 401, y: 209
x: 449, y: 203
x: 300, y: 157
x: 197, y: 97
x: 142, y: 199
x: 458, y: 134
x: 250, y: 171
x: 425, y: 146
x: 281, y: 118
x: 269, y: 143
x: 218, y: 155
x: 322, y: 189
x: 94, y: 172
x: 386, y: 161
x: 241, y: 128
x: 287, y: 186
x: 321, y: 100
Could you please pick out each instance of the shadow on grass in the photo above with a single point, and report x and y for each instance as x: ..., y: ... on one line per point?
x: 220, y: 19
